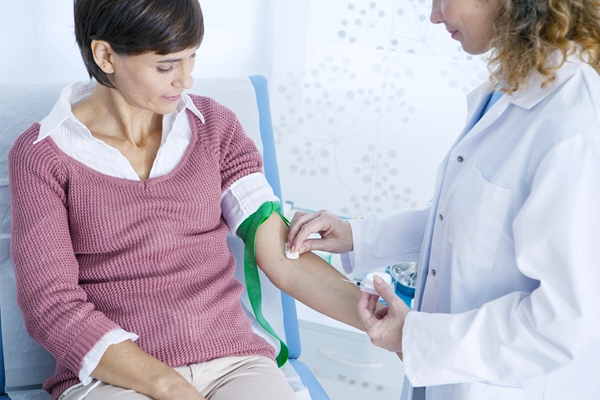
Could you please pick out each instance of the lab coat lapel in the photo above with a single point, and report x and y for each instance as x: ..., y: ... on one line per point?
x: 476, y: 101
x: 527, y: 99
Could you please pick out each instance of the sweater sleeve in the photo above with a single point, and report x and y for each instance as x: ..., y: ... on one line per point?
x: 239, y: 156
x: 243, y: 185
x: 55, y: 308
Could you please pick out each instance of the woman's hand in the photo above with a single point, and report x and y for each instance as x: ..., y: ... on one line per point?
x: 181, y: 389
x: 384, y: 326
x: 128, y: 366
x: 336, y: 234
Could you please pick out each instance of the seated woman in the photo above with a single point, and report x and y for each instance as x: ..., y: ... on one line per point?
x: 122, y: 201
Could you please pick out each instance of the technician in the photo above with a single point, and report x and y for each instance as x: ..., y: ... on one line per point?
x: 506, y: 304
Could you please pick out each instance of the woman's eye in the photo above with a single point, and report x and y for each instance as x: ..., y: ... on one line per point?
x: 164, y: 70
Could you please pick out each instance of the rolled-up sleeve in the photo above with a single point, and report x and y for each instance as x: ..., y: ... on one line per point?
x: 243, y: 198
x: 385, y: 239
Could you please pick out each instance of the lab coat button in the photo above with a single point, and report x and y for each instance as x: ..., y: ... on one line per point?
x: 441, y: 217
x: 460, y: 159
x: 433, y: 272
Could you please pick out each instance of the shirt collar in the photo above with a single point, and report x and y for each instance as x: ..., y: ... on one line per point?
x: 75, y: 92
x: 61, y: 111
x: 535, y: 93
x: 186, y: 102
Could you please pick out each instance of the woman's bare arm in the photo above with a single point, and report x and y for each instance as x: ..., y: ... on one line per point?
x: 309, y: 279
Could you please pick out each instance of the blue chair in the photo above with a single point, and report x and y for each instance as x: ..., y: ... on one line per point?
x: 292, y: 331
x: 2, y: 391
x: 21, y: 105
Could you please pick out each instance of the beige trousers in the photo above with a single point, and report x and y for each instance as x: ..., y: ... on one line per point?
x: 228, y: 378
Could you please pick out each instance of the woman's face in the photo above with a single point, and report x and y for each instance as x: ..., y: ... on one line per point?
x: 470, y: 22
x: 154, y: 82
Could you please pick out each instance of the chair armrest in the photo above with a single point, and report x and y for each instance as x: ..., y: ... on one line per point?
x: 2, y: 371
x: 308, y: 379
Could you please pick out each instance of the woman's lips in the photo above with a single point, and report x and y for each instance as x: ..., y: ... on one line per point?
x: 172, y: 98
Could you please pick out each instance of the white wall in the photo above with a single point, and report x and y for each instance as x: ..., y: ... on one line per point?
x: 366, y: 95
x: 37, y: 43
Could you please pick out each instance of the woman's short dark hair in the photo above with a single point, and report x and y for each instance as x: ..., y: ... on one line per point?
x: 134, y: 27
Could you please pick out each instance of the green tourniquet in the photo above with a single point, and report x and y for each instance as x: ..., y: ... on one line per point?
x: 247, y: 231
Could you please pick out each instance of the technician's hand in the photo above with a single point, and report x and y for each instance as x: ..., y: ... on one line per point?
x: 336, y: 234
x: 383, y: 326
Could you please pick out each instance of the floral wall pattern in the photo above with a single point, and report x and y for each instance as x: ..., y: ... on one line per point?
x: 363, y: 119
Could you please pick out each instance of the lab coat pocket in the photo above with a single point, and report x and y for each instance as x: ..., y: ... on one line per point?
x: 477, y: 216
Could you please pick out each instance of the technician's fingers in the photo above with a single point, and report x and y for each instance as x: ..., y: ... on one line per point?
x: 362, y: 308
x: 373, y: 300
x: 382, y: 312
x: 336, y: 233
x: 298, y: 231
x: 394, y: 302
x: 314, y: 244
x: 305, y: 225
x: 366, y: 309
x: 299, y: 219
x: 386, y: 291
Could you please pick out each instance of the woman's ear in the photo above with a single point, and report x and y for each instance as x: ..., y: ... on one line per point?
x: 103, y: 55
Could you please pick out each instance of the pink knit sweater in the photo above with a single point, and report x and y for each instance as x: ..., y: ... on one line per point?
x: 94, y: 252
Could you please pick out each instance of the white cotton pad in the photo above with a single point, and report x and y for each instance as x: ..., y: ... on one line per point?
x: 292, y: 256
x: 368, y: 286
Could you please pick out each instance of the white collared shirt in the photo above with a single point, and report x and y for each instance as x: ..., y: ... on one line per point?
x: 76, y: 140
x: 72, y: 137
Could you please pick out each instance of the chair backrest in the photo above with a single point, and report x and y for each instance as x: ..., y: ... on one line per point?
x: 26, y: 364
x: 2, y: 391
x: 292, y: 332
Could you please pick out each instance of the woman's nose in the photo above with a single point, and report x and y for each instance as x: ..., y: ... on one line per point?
x: 436, y: 16
x: 185, y: 79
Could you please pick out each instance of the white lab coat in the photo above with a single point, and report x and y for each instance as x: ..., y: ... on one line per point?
x: 509, y: 250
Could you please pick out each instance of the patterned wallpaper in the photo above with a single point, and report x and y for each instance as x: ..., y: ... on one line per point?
x: 367, y: 96
x: 364, y: 118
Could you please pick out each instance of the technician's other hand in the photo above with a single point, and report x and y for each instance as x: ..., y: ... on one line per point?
x: 384, y: 326
x: 336, y: 234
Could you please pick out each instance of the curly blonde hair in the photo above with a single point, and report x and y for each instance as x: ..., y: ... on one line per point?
x: 527, y: 32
